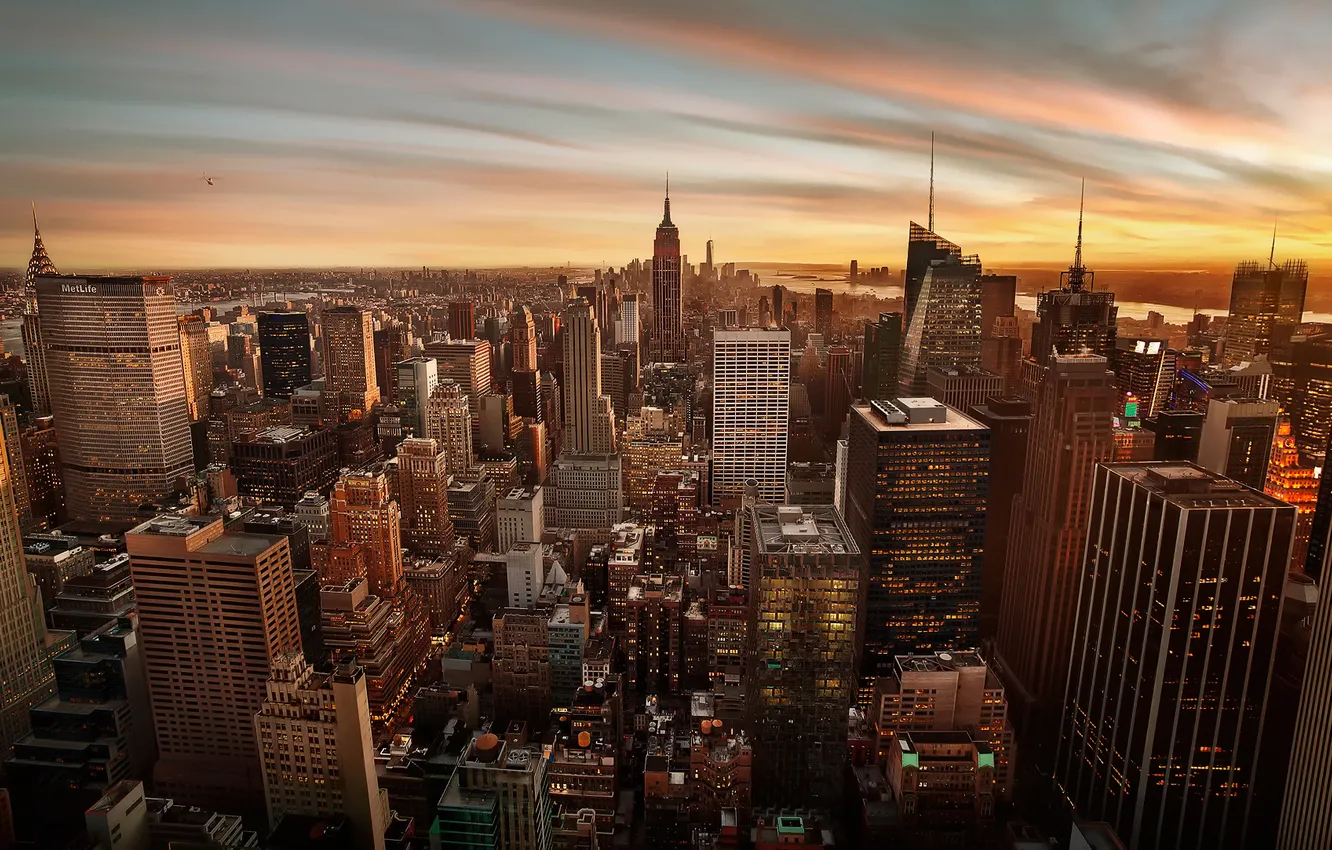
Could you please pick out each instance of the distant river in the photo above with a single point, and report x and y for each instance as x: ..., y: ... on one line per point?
x: 1174, y: 315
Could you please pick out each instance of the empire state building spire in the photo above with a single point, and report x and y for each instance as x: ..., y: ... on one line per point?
x: 39, y: 263
x: 666, y: 216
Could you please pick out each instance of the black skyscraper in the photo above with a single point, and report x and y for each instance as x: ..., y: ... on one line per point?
x: 1178, y: 608
x: 284, y: 352
x: 917, y: 484
x: 883, y: 349
x: 823, y: 313
x: 1009, y: 421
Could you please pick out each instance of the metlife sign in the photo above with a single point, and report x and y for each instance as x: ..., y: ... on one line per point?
x: 132, y: 287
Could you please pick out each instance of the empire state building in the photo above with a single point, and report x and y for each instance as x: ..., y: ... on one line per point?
x: 666, y: 343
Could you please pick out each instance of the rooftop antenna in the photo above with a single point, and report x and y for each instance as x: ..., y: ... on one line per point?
x: 1082, y: 204
x: 666, y: 216
x: 931, y: 181
x: 1271, y: 257
x: 1077, y: 274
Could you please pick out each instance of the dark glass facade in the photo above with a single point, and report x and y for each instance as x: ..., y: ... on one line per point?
x: 284, y: 352
x: 1177, y: 621
x: 916, y: 496
x: 883, y: 347
x: 923, y: 248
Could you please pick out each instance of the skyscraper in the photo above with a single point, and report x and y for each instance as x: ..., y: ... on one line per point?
x: 1009, y: 421
x: 589, y: 424
x: 527, y: 391
x: 627, y: 329
x: 362, y: 512
x: 945, y: 326
x: 25, y: 672
x: 751, y: 400
x: 807, y: 577
x: 1320, y: 532
x: 917, y: 481
x: 823, y: 313
x: 468, y: 363
x: 279, y: 465
x: 839, y: 390
x: 1001, y: 338
x: 778, y: 305
x: 523, y: 340
x: 13, y: 448
x: 41, y: 465
x: 1312, y: 404
x: 1263, y: 298
x: 423, y: 490
x: 666, y: 343
x: 462, y: 320
x: 349, y: 361
x: 197, y: 363
x: 1292, y: 481
x: 586, y: 492
x: 1237, y: 439
x: 284, y: 352
x: 39, y: 264
x: 924, y: 249
x: 388, y: 638
x: 1142, y: 376
x: 1178, y: 603
x: 317, y: 755
x: 1073, y: 401
x: 392, y: 344
x: 450, y: 425
x: 417, y: 379
x: 883, y: 348
x: 215, y: 608
x: 1074, y: 317
x: 113, y: 361
x: 1306, y: 813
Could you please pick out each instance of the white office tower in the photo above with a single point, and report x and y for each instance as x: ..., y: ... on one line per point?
x: 751, y: 401
x: 417, y: 379
x: 628, y: 327
x: 519, y: 515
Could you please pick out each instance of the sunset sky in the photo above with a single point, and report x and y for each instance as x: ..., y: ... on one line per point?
x: 452, y: 133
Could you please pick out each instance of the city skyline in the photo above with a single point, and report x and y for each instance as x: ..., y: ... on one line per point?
x: 449, y: 135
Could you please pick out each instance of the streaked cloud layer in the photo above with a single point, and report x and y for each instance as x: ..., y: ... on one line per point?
x: 444, y: 132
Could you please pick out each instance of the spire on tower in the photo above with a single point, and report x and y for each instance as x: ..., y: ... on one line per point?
x: 1082, y: 205
x: 666, y: 217
x: 931, y: 181
x: 1077, y: 273
x: 1271, y: 257
x: 39, y: 263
